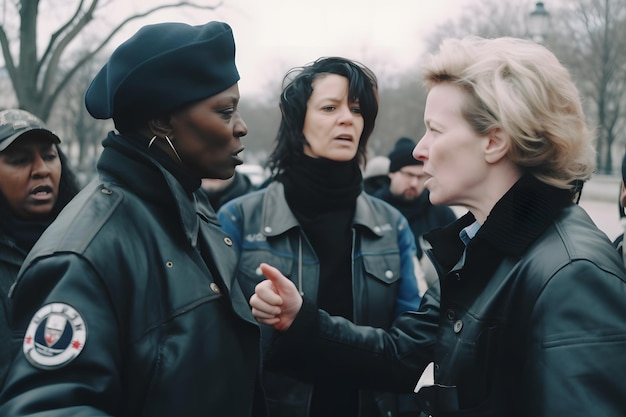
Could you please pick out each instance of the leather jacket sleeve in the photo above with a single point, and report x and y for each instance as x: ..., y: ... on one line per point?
x: 390, y: 360
x: 576, y: 358
x: 89, y: 385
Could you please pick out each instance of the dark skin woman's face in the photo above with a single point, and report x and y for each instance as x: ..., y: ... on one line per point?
x: 30, y: 172
x: 207, y: 135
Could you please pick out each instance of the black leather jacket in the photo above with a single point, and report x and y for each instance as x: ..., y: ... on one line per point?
x: 11, y: 258
x: 531, y: 320
x: 168, y: 331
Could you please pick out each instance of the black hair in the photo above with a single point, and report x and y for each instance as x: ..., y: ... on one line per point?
x: 68, y: 184
x: 290, y: 141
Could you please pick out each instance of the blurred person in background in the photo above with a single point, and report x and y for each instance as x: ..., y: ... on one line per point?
x: 128, y: 304
x: 36, y: 182
x: 347, y: 252
x: 376, y: 175
x: 407, y: 193
x: 220, y: 191
x: 529, y: 317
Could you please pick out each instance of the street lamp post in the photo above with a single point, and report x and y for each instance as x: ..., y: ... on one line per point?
x: 538, y: 23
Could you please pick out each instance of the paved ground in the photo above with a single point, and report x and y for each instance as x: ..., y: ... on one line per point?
x: 600, y: 199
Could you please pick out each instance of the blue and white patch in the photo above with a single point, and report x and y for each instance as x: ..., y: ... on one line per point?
x: 55, y: 336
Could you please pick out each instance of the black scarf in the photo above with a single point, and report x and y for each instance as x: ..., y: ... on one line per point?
x: 322, y: 195
x: 135, y: 146
x: 317, y: 185
x: 127, y: 161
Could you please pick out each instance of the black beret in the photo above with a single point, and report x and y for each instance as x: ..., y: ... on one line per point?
x: 160, y: 69
x: 402, y: 155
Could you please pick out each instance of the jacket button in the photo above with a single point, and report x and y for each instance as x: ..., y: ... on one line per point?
x: 228, y: 241
x: 458, y: 325
x: 267, y: 229
x: 389, y: 274
x: 451, y: 315
x: 106, y: 191
x: 258, y: 271
x: 215, y: 288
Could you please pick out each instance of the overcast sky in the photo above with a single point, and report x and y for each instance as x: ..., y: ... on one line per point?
x: 275, y: 35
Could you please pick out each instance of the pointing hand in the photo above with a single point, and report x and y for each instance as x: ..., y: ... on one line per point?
x: 276, y: 301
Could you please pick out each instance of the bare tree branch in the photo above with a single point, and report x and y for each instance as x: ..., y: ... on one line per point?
x: 38, y: 82
x: 62, y: 29
x: 53, y: 64
x: 8, y: 58
x: 49, y: 97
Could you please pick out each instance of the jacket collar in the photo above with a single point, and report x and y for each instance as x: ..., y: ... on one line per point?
x: 523, y: 214
x: 520, y: 217
x: 277, y: 216
x: 124, y: 163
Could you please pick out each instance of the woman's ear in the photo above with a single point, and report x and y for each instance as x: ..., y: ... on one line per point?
x: 497, y: 146
x: 160, y: 126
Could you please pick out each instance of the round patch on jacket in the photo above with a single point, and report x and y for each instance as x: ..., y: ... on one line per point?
x: 55, y: 336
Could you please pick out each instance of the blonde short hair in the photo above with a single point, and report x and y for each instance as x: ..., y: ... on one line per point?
x: 522, y: 88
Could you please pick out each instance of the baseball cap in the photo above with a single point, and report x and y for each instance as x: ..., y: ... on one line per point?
x: 14, y: 123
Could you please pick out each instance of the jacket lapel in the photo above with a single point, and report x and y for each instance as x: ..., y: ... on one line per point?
x: 515, y: 222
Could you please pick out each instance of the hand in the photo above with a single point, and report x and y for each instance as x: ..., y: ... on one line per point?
x: 276, y: 301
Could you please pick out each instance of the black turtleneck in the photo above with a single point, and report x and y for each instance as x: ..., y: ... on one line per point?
x: 322, y: 195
